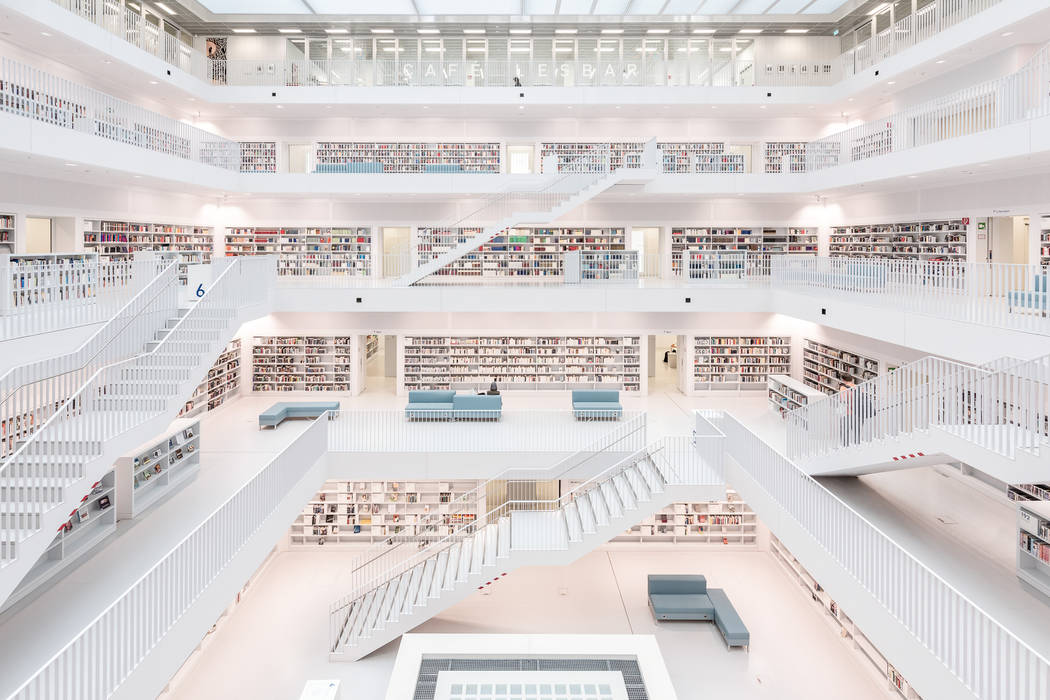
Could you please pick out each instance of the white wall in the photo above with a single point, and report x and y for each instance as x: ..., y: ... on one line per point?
x: 256, y: 48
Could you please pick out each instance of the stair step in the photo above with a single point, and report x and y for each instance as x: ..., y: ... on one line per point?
x: 503, y: 538
x: 588, y: 523
x: 627, y: 497
x: 491, y: 534
x: 599, y: 508
x: 572, y: 519
x: 425, y: 581
x: 612, y: 499
x: 438, y: 579
x: 478, y: 553
x: 466, y: 552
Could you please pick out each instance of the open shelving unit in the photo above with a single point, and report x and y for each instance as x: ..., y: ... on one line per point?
x: 301, y: 363
x: 726, y: 522
x: 785, y: 157
x: 93, y: 521
x: 37, y: 280
x: 122, y: 239
x: 738, y: 362
x: 371, y: 345
x: 1033, y: 544
x: 531, y: 252
x: 1028, y: 492
x: 223, y: 381
x: 835, y: 616
x: 573, y: 155
x: 154, y: 469
x: 1044, y: 241
x: 258, y: 157
x: 877, y: 143
x: 305, y: 252
x: 365, y: 512
x: 825, y: 366
x: 787, y: 393
x: 522, y: 362
x: 918, y: 240
x: 691, y: 245
x: 368, y: 156
x: 7, y: 233
x: 700, y: 157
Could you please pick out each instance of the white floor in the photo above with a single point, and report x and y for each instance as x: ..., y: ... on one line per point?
x: 275, y: 641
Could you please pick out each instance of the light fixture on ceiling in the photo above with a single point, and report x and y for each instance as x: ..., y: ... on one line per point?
x: 153, y: 82
x: 381, y: 31
x: 563, y: 49
x: 280, y: 106
x: 657, y: 31
x: 473, y: 31
x: 564, y: 31
x: 939, y: 62
x: 704, y: 31
x: 912, y: 177
x: 290, y: 30
x: 878, y: 9
x: 337, y: 30
x: 521, y: 31
x: 750, y: 31
x: 612, y: 31
x: 45, y: 34
x: 165, y: 8
x: 892, y: 82
x: 243, y: 31
x: 71, y: 165
x: 1007, y: 34
x: 796, y: 31
x: 428, y: 31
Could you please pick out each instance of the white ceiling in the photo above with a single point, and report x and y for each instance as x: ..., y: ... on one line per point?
x: 543, y: 8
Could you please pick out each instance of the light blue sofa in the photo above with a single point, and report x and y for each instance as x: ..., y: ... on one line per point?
x: 443, y: 168
x: 1034, y: 299
x: 274, y: 415
x: 477, y: 407
x: 429, y: 405
x: 594, y: 404
x: 687, y: 597
x: 361, y: 167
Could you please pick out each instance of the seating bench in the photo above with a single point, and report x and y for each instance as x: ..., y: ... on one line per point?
x: 448, y: 405
x: 687, y: 597
x: 589, y: 404
x: 1034, y: 299
x: 274, y: 415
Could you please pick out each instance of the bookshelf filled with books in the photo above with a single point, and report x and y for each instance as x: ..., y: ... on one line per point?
x: 36, y: 280
x: 700, y: 157
x: 7, y: 233
x: 301, y: 363
x: 522, y: 362
x: 258, y: 157
x: 93, y: 520
x: 738, y: 362
x: 517, y: 252
x: 824, y: 367
x: 1028, y: 492
x: 222, y: 382
x: 365, y: 512
x: 307, y: 252
x: 1033, y: 544
x: 375, y: 157
x: 942, y: 240
x: 787, y: 393
x: 125, y: 238
x: 691, y: 245
x: 841, y: 622
x: 1044, y: 241
x: 578, y: 156
x: 785, y: 157
x: 371, y: 345
x: 726, y: 522
x: 156, y: 468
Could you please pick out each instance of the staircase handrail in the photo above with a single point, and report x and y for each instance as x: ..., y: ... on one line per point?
x: 89, y: 444
x: 112, y: 331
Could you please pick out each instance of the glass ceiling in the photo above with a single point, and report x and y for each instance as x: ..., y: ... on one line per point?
x: 526, y: 8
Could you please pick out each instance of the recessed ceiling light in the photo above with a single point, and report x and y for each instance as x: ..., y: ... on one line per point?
x: 612, y: 31
x: 45, y: 34
x: 750, y: 31
x: 939, y: 62
x: 192, y: 99
x: 428, y: 31
x: 657, y: 31
x: 569, y: 106
x: 617, y: 106
x: 564, y: 31
x: 153, y: 82
x: 850, y: 99
x: 280, y: 106
x: 71, y: 165
x: 879, y: 8
x: 796, y: 31
x: 138, y: 177
x: 1006, y: 34
x: 521, y: 106
x: 473, y: 31
x: 165, y: 8
x: 243, y: 31
x: 381, y: 31
x: 761, y: 106
x: 912, y: 177
x: 892, y: 82
x: 521, y: 31
x: 337, y: 30
x: 426, y: 106
x: 704, y: 31
x: 290, y: 31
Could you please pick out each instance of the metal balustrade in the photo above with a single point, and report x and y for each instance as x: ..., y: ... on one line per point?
x: 92, y: 665
x: 985, y: 656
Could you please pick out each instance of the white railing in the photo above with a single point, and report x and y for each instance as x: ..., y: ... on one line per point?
x: 35, y: 94
x: 31, y: 393
x: 601, y: 266
x: 1011, y: 99
x: 122, y: 395
x: 985, y: 656
x: 130, y: 628
x: 40, y: 294
x: 989, y: 294
x: 723, y: 265
x: 999, y: 410
x: 453, y: 430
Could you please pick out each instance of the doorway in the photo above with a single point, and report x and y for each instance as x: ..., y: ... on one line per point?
x: 520, y: 160
x: 646, y: 240
x: 397, y: 241
x: 1008, y: 240
x: 663, y: 363
x: 380, y: 363
x: 39, y: 239
x: 299, y: 157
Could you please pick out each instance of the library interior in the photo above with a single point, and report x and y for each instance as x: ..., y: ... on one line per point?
x: 525, y: 349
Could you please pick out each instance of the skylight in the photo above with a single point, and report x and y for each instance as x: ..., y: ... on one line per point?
x: 519, y: 8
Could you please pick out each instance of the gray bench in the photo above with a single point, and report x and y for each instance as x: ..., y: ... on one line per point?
x: 272, y: 417
x: 687, y: 597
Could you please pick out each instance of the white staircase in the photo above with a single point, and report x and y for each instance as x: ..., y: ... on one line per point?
x: 932, y: 411
x: 404, y: 589
x: 576, y: 183
x: 117, y: 407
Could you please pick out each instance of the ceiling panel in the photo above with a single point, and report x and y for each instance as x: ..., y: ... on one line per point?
x: 576, y: 7
x: 788, y: 7
x: 716, y: 7
x: 823, y: 7
x: 610, y: 7
x: 541, y: 7
x: 752, y: 7
x: 364, y: 7
x: 271, y: 7
x: 646, y: 7
x: 681, y: 7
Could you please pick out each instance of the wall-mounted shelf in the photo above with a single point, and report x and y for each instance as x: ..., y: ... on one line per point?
x: 727, y: 522
x: 222, y: 382
x: 591, y: 157
x: 700, y: 157
x: 371, y: 346
x: 301, y: 363
x: 787, y: 393
x: 373, y: 157
x: 305, y: 252
x: 1033, y: 544
x: 825, y: 366
x: 258, y: 157
x: 7, y: 233
x: 738, y: 362
x: 785, y: 157
x: 155, y: 469
x: 122, y: 239
x: 1044, y: 241
x: 689, y: 246
x: 919, y: 240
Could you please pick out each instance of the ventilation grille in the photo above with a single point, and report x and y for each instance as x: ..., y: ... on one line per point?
x: 429, y: 668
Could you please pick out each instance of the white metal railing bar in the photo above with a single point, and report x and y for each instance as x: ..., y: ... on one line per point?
x: 985, y: 656
x: 122, y: 635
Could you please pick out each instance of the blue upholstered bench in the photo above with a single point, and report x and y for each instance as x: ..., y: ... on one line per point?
x: 590, y: 404
x: 443, y: 168
x: 687, y: 597
x: 362, y: 167
x: 477, y: 407
x: 1034, y: 299
x: 429, y: 405
x: 273, y: 416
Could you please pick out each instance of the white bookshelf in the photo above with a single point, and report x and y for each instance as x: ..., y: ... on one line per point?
x: 943, y: 239
x: 585, y: 156
x: 517, y: 252
x: 125, y: 238
x: 738, y: 362
x: 785, y: 157
x: 726, y: 522
x: 825, y: 366
x: 371, y: 345
x: 823, y: 154
x: 301, y: 363
x: 37, y: 280
x: 93, y: 521
x: 700, y: 157
x: 841, y: 622
x: 258, y: 157
x: 7, y: 233
x: 1033, y: 544
x: 1028, y: 492
x: 368, y: 156
x: 787, y: 393
x: 306, y: 252
x: 522, y: 362
x: 153, y: 470
x: 365, y: 512
x: 1044, y: 241
x: 222, y: 382
x: 690, y: 246
x: 877, y: 143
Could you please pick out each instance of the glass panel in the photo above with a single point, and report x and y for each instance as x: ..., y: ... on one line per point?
x: 722, y: 63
